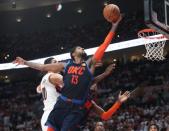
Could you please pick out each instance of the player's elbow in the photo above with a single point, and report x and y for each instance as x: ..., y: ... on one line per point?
x: 105, y: 116
x: 38, y: 91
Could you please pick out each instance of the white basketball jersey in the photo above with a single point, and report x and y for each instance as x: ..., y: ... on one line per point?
x: 49, y: 92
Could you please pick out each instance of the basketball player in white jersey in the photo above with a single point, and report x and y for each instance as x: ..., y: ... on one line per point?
x: 50, y: 87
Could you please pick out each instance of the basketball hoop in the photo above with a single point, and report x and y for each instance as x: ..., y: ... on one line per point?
x: 154, y: 44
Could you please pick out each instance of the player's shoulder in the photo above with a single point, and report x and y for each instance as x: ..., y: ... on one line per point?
x: 55, y: 75
x: 45, y: 78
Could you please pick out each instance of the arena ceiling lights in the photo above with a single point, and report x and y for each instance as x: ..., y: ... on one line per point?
x: 13, y: 5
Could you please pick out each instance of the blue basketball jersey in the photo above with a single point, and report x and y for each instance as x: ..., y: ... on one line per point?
x: 77, y: 80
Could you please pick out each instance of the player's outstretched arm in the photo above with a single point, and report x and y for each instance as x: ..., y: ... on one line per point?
x: 122, y: 98
x: 55, y: 67
x: 106, y: 73
x: 108, y: 114
x: 100, y: 51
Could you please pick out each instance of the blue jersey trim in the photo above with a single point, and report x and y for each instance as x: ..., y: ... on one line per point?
x: 65, y: 66
x: 74, y: 101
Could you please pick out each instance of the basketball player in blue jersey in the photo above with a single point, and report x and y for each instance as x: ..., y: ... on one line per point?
x: 89, y: 105
x: 77, y: 77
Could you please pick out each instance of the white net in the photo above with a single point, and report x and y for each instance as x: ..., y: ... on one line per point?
x: 154, y: 46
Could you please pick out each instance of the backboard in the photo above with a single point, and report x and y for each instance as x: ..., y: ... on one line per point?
x: 156, y: 15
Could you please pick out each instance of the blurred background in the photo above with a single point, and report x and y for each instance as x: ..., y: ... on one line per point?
x: 34, y: 29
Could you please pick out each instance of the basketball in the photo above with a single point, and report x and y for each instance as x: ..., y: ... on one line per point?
x: 111, y: 12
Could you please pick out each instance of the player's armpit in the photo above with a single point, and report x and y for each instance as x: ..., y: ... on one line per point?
x: 107, y: 115
x: 91, y: 65
x: 88, y: 62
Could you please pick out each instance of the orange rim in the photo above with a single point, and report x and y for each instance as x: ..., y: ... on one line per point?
x: 149, y: 31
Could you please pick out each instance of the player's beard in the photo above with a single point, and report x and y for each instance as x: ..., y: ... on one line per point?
x: 84, y: 56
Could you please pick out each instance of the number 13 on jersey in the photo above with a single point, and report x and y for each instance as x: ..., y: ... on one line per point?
x: 75, y: 79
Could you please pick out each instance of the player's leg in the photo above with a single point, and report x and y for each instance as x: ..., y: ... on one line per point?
x: 55, y: 119
x: 43, y: 122
x: 44, y: 119
x: 76, y: 128
x: 72, y: 120
x: 57, y: 115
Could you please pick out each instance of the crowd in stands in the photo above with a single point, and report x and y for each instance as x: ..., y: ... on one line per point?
x: 124, y: 77
x: 52, y: 42
x: 149, y: 82
x: 19, y: 107
x: 138, y: 113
